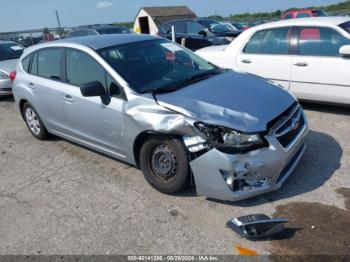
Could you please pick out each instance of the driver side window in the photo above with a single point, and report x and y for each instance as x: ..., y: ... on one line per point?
x: 81, y: 68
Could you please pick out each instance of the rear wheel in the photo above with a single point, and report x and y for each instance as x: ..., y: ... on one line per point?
x: 34, y: 123
x: 165, y: 164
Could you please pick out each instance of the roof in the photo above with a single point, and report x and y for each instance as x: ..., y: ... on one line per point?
x: 302, y: 10
x: 311, y: 21
x: 97, y: 27
x: 102, y: 41
x: 168, y: 11
x: 163, y: 14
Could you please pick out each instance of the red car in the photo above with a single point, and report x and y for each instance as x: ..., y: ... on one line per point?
x: 303, y: 13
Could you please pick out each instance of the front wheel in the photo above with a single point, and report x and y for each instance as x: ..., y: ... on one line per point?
x: 165, y: 164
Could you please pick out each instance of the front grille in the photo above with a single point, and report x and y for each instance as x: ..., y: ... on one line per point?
x: 291, y: 127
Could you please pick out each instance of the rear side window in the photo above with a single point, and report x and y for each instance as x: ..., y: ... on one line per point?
x: 320, y: 41
x: 289, y: 16
x: 82, y: 68
x: 26, y: 63
x: 49, y: 63
x: 319, y: 13
x: 271, y: 41
x: 345, y: 26
x: 301, y: 15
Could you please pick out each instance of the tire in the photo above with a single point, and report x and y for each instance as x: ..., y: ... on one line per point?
x: 34, y: 123
x: 165, y: 164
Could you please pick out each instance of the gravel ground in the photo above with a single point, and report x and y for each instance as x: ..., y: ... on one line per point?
x: 59, y: 198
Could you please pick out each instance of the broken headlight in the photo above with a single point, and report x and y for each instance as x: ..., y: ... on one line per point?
x: 230, y: 141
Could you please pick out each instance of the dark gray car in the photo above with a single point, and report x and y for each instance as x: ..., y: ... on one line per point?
x: 150, y: 102
x: 195, y: 35
x: 9, y: 54
x: 98, y: 30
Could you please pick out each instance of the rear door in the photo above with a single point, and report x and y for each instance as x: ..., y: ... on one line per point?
x: 319, y: 72
x: 267, y: 55
x: 44, y: 81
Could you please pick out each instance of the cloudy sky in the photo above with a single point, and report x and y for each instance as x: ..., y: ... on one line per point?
x: 32, y: 14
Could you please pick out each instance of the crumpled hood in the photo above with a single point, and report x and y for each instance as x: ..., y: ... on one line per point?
x: 235, y: 100
x: 8, y: 65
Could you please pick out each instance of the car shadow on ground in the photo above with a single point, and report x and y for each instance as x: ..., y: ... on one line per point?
x: 320, y: 161
x: 325, y: 108
x: 7, y: 98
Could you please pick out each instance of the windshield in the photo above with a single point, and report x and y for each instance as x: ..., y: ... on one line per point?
x: 238, y: 26
x: 114, y: 30
x: 156, y: 65
x: 319, y: 13
x: 10, y: 51
x: 345, y: 26
x: 208, y: 23
x: 219, y: 28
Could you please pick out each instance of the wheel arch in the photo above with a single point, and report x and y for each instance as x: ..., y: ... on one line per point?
x: 142, y: 138
x: 21, y: 105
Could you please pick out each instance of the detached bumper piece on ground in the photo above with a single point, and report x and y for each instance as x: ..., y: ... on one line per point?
x: 257, y: 226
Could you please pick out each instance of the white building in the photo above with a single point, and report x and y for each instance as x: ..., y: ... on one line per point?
x: 149, y: 18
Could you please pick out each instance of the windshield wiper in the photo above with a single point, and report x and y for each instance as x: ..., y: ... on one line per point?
x: 186, y: 81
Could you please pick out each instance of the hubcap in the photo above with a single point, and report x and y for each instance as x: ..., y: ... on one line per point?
x: 32, y: 121
x: 163, y: 162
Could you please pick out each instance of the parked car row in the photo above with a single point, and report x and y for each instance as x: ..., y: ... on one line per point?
x: 195, y: 35
x: 308, y: 56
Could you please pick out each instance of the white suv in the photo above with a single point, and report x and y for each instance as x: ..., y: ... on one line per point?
x: 310, y: 56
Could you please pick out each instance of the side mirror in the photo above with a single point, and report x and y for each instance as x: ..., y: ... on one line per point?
x: 345, y: 51
x: 92, y: 89
x: 203, y: 33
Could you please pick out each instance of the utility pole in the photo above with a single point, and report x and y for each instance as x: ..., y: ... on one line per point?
x: 58, y: 20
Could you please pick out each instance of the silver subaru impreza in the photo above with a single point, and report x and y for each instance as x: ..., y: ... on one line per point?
x: 156, y: 105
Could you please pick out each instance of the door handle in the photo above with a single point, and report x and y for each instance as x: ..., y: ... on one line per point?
x: 31, y: 85
x: 246, y: 61
x: 68, y: 98
x: 301, y: 64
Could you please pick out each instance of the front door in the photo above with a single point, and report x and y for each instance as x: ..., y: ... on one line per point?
x: 92, y: 120
x: 267, y: 55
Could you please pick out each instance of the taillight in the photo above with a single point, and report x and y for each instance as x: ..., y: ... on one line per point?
x: 13, y: 75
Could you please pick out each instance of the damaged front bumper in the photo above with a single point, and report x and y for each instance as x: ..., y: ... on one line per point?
x: 231, y: 177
